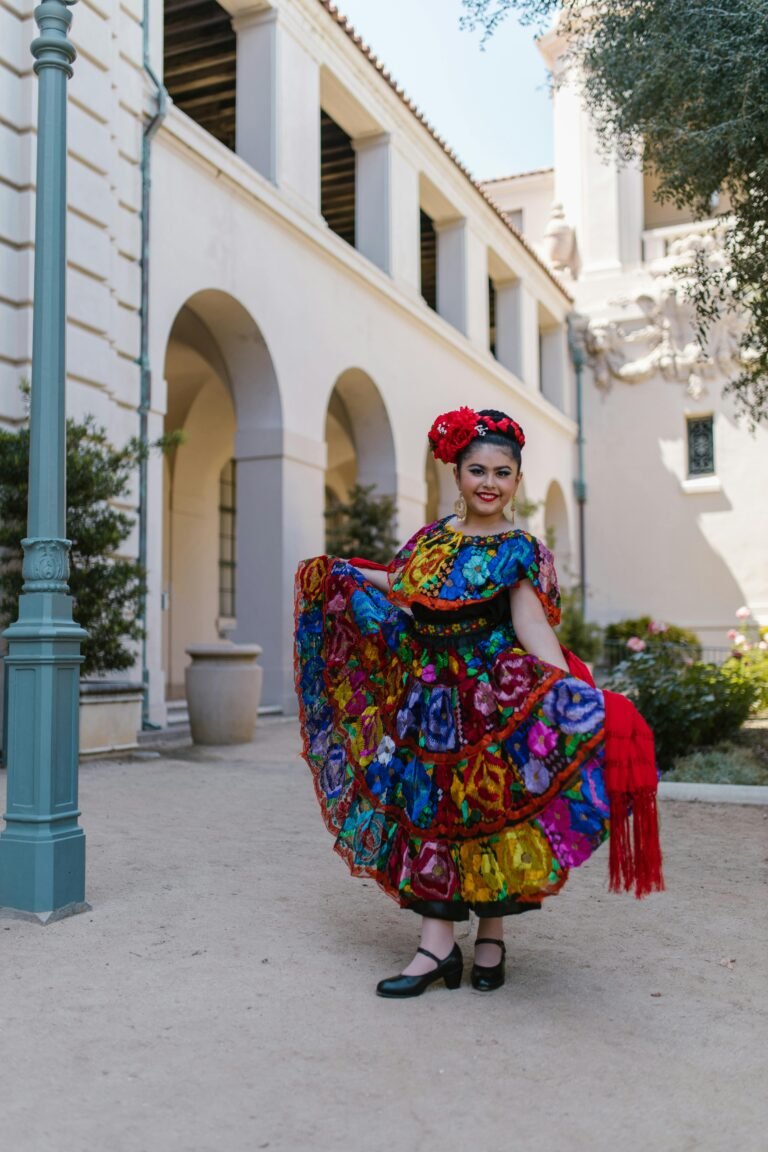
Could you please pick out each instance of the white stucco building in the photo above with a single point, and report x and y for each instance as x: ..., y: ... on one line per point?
x: 322, y: 278
x: 675, y: 522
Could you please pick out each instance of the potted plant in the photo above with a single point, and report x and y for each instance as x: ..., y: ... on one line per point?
x: 107, y: 588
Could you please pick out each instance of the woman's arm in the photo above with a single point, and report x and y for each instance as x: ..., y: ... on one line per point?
x: 531, y: 626
x: 376, y: 576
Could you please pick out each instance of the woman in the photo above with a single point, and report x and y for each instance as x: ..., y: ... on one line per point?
x: 456, y: 758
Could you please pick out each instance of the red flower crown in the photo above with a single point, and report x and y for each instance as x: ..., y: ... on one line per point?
x: 453, y: 431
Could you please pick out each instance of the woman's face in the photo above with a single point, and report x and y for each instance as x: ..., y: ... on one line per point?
x: 487, y: 479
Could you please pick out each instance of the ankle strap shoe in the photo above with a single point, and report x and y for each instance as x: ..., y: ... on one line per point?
x: 450, y: 969
x: 484, y: 978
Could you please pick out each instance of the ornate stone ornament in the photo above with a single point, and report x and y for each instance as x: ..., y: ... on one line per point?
x: 656, y: 334
x: 559, y: 244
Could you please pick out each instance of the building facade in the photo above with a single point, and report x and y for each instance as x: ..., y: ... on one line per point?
x: 675, y: 525
x: 270, y: 251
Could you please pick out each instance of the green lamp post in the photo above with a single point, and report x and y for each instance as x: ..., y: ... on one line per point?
x: 42, y: 847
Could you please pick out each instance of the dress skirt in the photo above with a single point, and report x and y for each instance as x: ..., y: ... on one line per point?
x: 451, y: 766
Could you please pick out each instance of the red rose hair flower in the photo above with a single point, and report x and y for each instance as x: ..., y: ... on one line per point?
x: 453, y: 431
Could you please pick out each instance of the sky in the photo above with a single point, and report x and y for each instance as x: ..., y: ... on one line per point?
x: 491, y: 106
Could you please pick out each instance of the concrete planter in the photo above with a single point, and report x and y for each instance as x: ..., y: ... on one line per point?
x: 223, y: 692
x: 110, y: 717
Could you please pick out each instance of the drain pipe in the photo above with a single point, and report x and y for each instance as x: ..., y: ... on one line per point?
x: 150, y: 128
x: 576, y: 349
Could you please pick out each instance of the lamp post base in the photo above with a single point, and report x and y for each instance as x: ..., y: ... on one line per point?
x: 44, y: 918
x: 42, y: 871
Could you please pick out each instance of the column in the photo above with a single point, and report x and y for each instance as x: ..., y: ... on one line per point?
x: 277, y: 116
x: 452, y: 272
x: 280, y: 499
x: 411, y: 504
x: 554, y: 365
x: 517, y: 331
x: 387, y: 209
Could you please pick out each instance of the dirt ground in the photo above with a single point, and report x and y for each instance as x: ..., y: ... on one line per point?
x: 220, y: 994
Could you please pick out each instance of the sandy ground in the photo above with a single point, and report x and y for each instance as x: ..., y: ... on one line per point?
x: 220, y: 994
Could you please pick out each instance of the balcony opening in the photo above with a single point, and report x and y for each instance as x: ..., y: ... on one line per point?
x: 428, y: 259
x: 200, y: 64
x: 337, y: 178
x: 492, y: 316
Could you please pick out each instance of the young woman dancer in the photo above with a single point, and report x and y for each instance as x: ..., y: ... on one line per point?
x: 461, y: 758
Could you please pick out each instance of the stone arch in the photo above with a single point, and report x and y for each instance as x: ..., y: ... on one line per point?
x: 223, y: 395
x: 557, y: 531
x: 441, y: 487
x: 359, y: 438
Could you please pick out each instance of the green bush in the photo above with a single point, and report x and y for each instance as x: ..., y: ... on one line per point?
x: 107, y: 588
x: 363, y: 525
x: 752, y: 667
x: 680, y: 643
x: 687, y: 706
x: 579, y: 635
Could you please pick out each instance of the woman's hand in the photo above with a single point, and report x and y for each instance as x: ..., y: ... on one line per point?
x: 532, y: 627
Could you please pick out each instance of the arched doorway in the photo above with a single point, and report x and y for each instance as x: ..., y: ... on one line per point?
x: 224, y: 492
x: 441, y: 488
x: 359, y: 439
x: 557, y: 532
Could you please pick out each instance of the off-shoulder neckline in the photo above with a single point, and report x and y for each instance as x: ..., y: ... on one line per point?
x: 488, y: 536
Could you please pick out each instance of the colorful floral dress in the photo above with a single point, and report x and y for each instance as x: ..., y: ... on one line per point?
x: 453, y: 767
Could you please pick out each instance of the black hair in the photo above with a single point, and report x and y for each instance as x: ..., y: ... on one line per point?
x: 503, y: 440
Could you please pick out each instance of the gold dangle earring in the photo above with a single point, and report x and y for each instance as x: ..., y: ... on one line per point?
x: 460, y: 508
x: 509, y: 512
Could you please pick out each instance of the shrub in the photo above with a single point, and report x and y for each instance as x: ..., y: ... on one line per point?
x: 646, y: 633
x: 107, y: 588
x: 363, y: 525
x: 687, y: 706
x: 749, y: 657
x: 579, y: 635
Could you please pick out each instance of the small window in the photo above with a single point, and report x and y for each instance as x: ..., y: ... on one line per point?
x: 227, y: 558
x: 701, y: 446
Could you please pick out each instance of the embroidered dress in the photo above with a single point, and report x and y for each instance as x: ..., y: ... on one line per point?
x: 453, y: 767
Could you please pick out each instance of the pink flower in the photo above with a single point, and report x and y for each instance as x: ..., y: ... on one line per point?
x: 732, y: 634
x: 656, y: 629
x: 739, y: 638
x: 428, y: 674
x: 485, y: 700
x: 743, y: 613
x: 635, y: 644
x: 337, y: 604
x: 541, y: 739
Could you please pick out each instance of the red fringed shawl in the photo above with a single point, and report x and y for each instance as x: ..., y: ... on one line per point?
x: 631, y: 781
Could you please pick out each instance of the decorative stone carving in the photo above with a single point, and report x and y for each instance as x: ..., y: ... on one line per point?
x: 45, y: 567
x: 656, y: 336
x: 559, y: 244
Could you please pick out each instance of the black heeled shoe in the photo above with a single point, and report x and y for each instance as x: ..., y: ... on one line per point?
x: 450, y: 969
x: 483, y: 978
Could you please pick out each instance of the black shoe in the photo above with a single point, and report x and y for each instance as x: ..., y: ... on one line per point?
x: 450, y: 969
x: 486, y: 979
